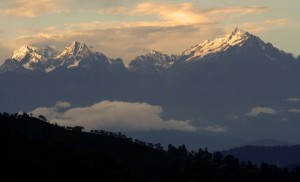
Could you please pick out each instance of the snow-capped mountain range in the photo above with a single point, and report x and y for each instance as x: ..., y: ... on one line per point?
x: 47, y: 59
x: 79, y: 55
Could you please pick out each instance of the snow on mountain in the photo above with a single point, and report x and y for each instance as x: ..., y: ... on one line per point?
x: 34, y: 58
x: 47, y: 59
x: 238, y: 45
x: 24, y: 52
x: 29, y: 58
x: 153, y: 61
x: 72, y: 55
x: 79, y: 55
x: 236, y: 38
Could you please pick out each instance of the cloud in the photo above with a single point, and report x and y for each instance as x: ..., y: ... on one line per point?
x: 115, y: 116
x: 216, y: 129
x: 124, y: 42
x: 293, y: 99
x: 265, y: 25
x: 172, y: 14
x: 294, y: 110
x: 52, y: 112
x: 166, y: 27
x: 261, y: 110
x: 27, y: 8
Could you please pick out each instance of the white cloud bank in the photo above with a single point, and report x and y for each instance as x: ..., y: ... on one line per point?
x: 261, y: 110
x: 113, y: 116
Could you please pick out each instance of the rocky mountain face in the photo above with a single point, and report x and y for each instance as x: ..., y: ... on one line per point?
x: 152, y: 62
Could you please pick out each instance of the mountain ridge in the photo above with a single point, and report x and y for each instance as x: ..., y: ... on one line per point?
x: 47, y: 59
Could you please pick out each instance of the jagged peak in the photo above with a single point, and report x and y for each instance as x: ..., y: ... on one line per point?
x: 75, y: 49
x: 236, y: 37
x: 23, y: 51
x: 237, y: 30
x: 24, y: 48
x: 238, y: 34
x: 155, y: 52
x: 78, y: 44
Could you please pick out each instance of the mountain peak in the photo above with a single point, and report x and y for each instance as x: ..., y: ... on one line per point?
x: 77, y: 44
x: 238, y: 34
x: 153, y: 61
x: 237, y: 37
x: 29, y: 57
x: 77, y: 49
x: 22, y: 52
x: 237, y: 30
x: 154, y: 52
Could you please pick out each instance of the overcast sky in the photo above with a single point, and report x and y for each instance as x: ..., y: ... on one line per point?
x: 127, y: 28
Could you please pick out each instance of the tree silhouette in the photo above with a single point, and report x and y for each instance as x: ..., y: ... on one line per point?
x: 43, y: 118
x: 30, y: 144
x: 77, y: 128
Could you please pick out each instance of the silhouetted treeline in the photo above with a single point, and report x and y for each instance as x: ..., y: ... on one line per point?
x: 26, y: 157
x: 32, y: 148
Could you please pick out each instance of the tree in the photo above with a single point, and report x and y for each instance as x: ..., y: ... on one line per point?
x: 217, y: 156
x: 77, y: 128
x: 43, y: 118
x: 231, y: 162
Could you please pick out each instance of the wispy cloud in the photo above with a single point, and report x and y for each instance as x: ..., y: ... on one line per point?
x: 265, y: 25
x: 33, y: 8
x: 293, y: 99
x: 172, y: 14
x: 125, y: 42
x: 261, y: 110
x: 115, y: 116
x: 294, y: 110
x: 166, y: 27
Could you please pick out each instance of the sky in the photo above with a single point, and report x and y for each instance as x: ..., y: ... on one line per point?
x: 128, y: 28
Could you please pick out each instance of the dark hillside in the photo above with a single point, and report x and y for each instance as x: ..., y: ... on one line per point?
x: 34, y: 149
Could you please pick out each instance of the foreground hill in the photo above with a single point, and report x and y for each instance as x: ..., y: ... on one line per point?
x: 34, y: 148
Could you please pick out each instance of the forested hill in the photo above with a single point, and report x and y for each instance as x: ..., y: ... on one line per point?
x: 33, y: 149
